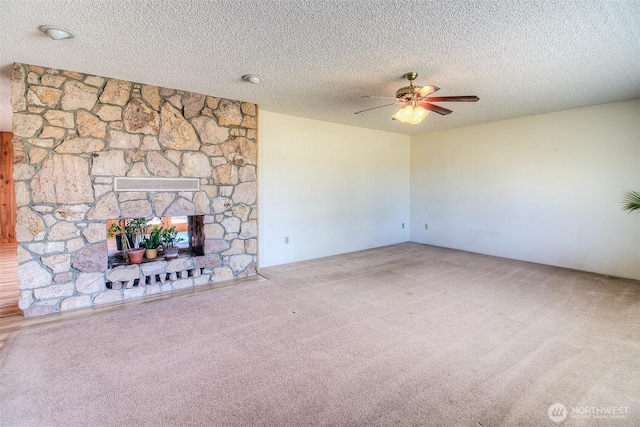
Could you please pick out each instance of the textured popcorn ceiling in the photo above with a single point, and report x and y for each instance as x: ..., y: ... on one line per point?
x: 319, y: 57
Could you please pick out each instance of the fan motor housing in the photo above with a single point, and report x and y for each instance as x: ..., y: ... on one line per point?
x: 407, y: 90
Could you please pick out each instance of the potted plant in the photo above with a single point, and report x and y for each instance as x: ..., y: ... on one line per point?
x: 169, y: 240
x: 131, y: 231
x: 153, y: 242
x: 631, y: 201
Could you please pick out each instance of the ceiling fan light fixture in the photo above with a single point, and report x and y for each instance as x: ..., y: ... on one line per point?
x: 419, y: 113
x: 404, y: 114
x: 417, y: 101
x: 411, y: 114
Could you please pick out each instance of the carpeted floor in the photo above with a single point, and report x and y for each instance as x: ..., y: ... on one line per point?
x: 407, y: 335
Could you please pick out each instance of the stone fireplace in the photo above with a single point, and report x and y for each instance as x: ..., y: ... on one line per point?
x: 75, y: 135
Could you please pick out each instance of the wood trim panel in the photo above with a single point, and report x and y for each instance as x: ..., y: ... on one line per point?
x: 8, y: 206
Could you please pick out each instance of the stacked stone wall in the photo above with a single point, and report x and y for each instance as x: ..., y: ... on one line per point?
x: 73, y: 133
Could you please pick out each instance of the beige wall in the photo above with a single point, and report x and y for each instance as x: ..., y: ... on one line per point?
x: 544, y: 188
x: 330, y: 188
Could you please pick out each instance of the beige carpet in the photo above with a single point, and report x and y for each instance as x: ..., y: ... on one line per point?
x: 407, y: 335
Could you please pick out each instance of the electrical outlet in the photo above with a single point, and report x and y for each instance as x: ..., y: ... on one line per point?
x: 426, y: 226
x: 286, y: 240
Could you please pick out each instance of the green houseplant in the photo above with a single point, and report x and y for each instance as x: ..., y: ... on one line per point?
x: 169, y: 240
x: 131, y: 233
x: 153, y: 242
x: 631, y: 201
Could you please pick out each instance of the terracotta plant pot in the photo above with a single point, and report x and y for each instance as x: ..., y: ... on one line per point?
x: 151, y: 253
x: 171, y: 253
x: 135, y: 255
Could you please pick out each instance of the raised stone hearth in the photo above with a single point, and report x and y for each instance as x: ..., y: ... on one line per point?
x: 74, y: 133
x: 161, y: 276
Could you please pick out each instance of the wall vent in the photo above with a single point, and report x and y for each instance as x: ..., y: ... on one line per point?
x: 156, y: 184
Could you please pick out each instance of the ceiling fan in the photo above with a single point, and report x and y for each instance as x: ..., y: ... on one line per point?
x: 416, y: 102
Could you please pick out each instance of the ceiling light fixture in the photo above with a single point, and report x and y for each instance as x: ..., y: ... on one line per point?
x: 417, y: 101
x: 56, y: 33
x: 411, y: 113
x: 252, y: 78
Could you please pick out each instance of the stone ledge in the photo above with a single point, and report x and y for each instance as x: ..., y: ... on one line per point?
x: 129, y: 281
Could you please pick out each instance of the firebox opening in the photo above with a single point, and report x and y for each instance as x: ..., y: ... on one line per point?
x: 188, y: 233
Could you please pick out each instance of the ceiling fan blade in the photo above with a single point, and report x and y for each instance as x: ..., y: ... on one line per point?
x: 435, y: 108
x: 427, y: 90
x: 379, y: 106
x: 452, y: 99
x: 377, y: 97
